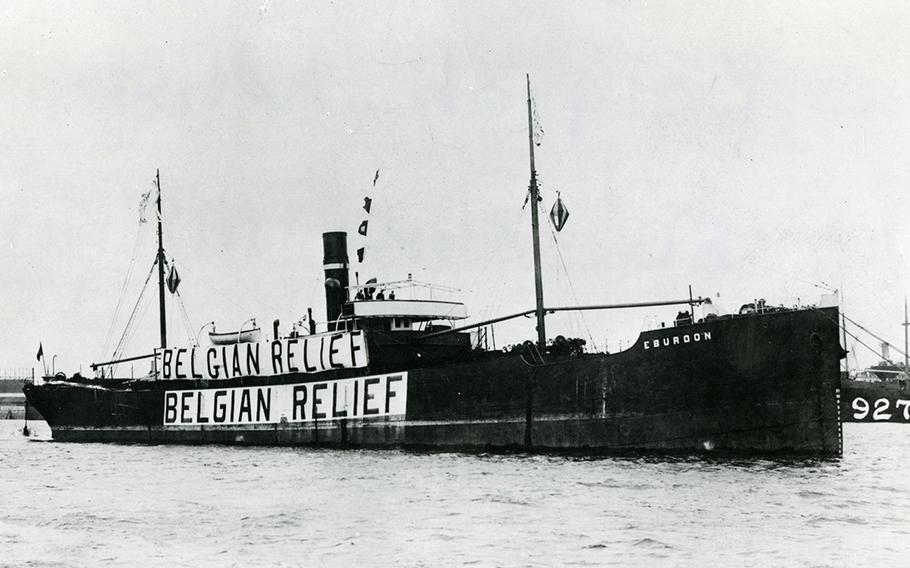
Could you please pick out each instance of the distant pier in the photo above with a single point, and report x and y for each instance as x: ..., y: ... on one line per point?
x: 12, y: 399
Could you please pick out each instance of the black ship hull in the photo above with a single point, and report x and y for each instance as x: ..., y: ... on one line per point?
x: 759, y: 383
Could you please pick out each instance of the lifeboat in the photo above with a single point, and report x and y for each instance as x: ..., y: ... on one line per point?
x: 231, y: 337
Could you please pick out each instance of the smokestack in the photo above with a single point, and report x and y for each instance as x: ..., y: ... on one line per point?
x: 886, y: 351
x: 335, y: 264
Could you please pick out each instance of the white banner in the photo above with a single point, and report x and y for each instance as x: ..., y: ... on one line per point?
x: 360, y: 397
x: 307, y: 354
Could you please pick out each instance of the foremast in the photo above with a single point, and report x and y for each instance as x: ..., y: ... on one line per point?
x: 535, y: 230
x: 161, y: 310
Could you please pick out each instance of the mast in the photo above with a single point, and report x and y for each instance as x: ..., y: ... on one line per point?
x: 161, y: 267
x: 843, y: 328
x: 906, y: 325
x: 535, y: 231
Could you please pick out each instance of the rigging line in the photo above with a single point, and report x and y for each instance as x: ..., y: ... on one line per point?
x: 147, y: 302
x: 872, y: 334
x: 860, y: 341
x: 569, y: 280
x: 176, y: 227
x: 197, y: 277
x: 136, y: 326
x: 130, y: 332
x: 127, y: 331
x: 123, y: 288
x: 821, y: 284
x: 186, y: 319
x: 129, y: 322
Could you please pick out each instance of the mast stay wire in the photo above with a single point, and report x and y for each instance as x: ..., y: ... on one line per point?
x: 185, y: 318
x: 129, y: 274
x: 128, y: 331
x: 569, y: 279
x: 854, y: 322
x: 137, y: 325
x: 820, y: 284
x: 861, y: 342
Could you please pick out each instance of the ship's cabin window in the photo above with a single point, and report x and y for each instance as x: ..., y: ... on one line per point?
x: 401, y: 324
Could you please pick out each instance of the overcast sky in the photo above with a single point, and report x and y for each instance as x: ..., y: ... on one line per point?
x: 752, y: 150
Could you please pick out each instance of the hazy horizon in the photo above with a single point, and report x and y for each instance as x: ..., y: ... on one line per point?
x: 752, y: 151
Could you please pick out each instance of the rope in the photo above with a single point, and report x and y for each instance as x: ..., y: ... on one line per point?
x: 861, y: 342
x: 136, y: 326
x: 131, y: 321
x: 873, y: 335
x: 126, y: 280
x: 186, y: 320
x: 854, y: 336
x: 820, y: 284
x: 569, y: 279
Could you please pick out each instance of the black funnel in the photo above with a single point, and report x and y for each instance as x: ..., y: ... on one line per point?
x: 335, y: 264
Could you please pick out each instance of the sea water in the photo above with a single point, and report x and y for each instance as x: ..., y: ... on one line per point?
x: 140, y: 505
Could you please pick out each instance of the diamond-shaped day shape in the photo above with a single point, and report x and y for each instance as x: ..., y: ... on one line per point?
x: 559, y: 214
x: 173, y: 280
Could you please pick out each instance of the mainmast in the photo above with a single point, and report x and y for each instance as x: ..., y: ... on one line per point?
x: 161, y: 267
x: 535, y: 231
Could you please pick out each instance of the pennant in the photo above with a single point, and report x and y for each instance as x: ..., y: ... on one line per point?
x: 173, y: 280
x: 143, y: 206
x: 538, y: 129
x: 375, y: 178
x: 363, y: 228
x: 360, y: 252
x: 369, y: 290
x: 367, y: 203
x: 559, y: 214
x: 40, y: 351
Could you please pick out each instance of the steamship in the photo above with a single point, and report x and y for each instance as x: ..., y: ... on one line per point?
x: 395, y: 368
x: 880, y: 393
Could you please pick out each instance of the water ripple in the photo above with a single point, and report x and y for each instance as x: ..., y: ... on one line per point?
x: 145, y: 505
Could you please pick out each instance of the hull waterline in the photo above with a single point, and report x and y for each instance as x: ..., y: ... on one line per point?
x: 759, y: 383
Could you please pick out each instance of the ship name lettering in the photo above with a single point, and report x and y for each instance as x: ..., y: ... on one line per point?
x: 677, y: 339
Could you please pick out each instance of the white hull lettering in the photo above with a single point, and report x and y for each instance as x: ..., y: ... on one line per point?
x: 677, y: 339
x: 881, y: 410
